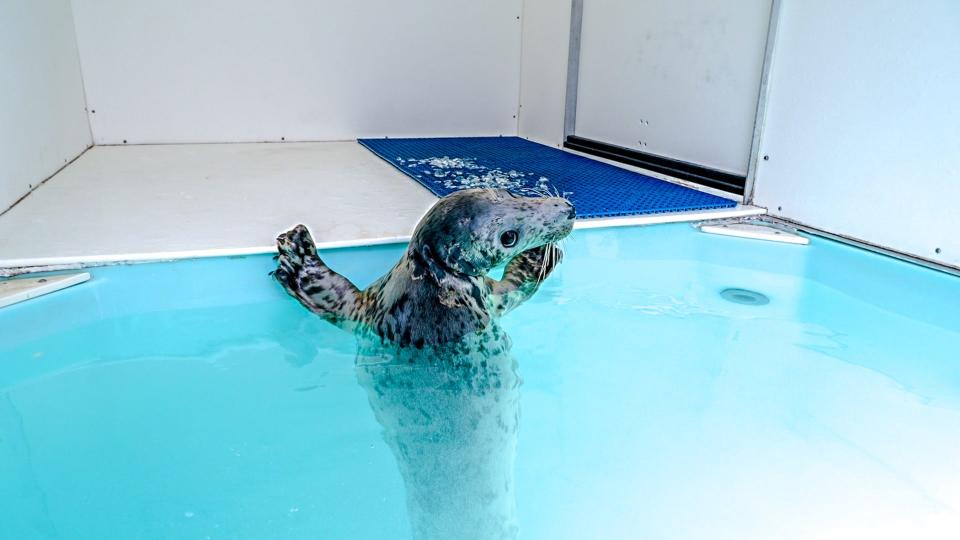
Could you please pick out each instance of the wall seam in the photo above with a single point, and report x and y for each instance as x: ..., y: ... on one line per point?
x: 763, y: 93
x: 45, y: 180
x: 523, y: 21
x: 83, y: 81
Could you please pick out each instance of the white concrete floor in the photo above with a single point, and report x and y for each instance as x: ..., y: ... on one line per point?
x: 131, y: 202
x: 156, y: 202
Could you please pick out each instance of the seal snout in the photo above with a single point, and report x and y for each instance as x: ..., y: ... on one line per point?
x: 565, y: 206
x: 557, y: 216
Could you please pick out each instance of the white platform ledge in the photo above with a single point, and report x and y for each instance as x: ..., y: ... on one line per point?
x: 164, y: 202
x: 13, y: 291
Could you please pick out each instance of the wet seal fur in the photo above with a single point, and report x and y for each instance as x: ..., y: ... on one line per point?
x: 434, y: 362
x: 438, y: 294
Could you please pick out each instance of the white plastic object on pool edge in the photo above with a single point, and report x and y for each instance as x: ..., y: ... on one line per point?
x: 13, y: 291
x: 754, y: 231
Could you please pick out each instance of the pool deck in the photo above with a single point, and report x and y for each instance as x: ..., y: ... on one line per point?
x: 161, y: 202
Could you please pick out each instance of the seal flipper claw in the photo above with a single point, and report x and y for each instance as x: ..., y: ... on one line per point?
x: 523, y: 276
x: 305, y: 277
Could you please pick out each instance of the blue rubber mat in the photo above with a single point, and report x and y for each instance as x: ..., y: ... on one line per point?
x: 445, y: 165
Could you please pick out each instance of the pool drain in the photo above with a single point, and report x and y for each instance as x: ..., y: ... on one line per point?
x: 745, y: 297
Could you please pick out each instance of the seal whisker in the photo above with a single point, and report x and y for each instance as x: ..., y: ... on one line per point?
x: 546, y: 265
x: 541, y: 274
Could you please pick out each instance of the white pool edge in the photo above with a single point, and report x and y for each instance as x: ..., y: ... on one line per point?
x: 868, y: 246
x: 14, y: 267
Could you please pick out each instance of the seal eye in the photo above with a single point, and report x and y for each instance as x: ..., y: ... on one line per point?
x: 509, y: 239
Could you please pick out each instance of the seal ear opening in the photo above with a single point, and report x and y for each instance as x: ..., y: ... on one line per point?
x: 427, y: 265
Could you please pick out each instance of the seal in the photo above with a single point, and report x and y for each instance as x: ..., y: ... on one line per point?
x: 432, y: 357
x: 439, y: 292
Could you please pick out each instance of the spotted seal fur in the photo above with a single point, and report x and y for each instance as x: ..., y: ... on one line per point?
x: 452, y: 428
x: 433, y: 360
x: 439, y: 292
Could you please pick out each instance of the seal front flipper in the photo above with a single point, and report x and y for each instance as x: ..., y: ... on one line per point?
x: 523, y: 276
x: 306, y: 278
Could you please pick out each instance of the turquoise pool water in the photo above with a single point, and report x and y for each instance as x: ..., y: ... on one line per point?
x: 195, y: 400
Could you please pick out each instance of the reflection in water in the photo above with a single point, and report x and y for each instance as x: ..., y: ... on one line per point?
x: 451, y: 418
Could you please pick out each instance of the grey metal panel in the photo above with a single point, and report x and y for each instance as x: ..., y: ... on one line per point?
x: 573, y: 68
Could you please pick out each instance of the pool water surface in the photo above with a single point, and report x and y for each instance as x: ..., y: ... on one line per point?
x: 195, y: 399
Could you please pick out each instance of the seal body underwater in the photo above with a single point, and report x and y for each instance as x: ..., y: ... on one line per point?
x: 452, y: 425
x: 439, y: 293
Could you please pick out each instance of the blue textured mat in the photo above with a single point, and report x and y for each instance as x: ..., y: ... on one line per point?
x: 445, y: 165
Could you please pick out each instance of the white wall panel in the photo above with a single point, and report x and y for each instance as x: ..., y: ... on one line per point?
x: 543, y: 80
x: 862, y: 123
x: 676, y: 78
x: 42, y: 120
x: 250, y: 70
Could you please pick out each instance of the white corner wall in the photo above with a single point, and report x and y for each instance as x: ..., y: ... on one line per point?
x: 250, y: 70
x: 43, y: 124
x: 862, y: 125
x: 543, y: 79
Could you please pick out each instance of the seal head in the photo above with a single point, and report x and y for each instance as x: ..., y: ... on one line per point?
x: 473, y: 231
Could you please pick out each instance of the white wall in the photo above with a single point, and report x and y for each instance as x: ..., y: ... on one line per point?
x: 42, y: 120
x: 862, y: 125
x: 543, y: 79
x: 252, y: 70
x: 675, y: 78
